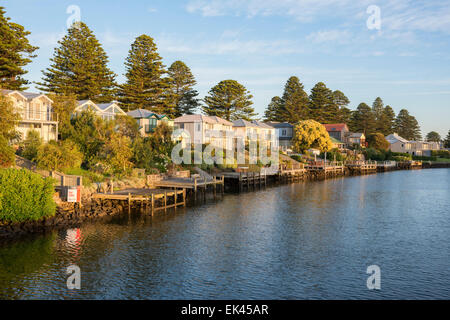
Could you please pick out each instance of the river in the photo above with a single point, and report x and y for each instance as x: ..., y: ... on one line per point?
x: 310, y: 240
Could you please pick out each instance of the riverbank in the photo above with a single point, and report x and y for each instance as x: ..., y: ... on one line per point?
x: 74, y: 214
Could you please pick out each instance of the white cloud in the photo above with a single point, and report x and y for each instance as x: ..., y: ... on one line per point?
x: 337, y: 36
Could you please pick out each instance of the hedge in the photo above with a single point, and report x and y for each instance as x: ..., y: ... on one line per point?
x: 25, y: 196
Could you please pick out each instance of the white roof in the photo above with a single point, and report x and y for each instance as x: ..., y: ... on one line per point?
x: 202, y: 118
x: 393, y: 138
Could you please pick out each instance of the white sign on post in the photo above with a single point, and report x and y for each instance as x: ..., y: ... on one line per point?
x: 72, y: 195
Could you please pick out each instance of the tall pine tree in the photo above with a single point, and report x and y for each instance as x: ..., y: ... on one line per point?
x: 388, y: 121
x: 15, y: 53
x: 322, y: 106
x: 80, y: 67
x: 363, y: 120
x: 378, y: 111
x: 229, y: 100
x: 407, y: 126
x: 447, y: 140
x: 146, y: 87
x: 274, y: 109
x: 294, y: 107
x: 341, y: 101
x: 181, y: 82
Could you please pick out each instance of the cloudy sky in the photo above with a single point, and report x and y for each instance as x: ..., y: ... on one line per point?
x: 403, y: 57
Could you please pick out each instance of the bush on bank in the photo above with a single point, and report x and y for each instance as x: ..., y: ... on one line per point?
x: 25, y: 196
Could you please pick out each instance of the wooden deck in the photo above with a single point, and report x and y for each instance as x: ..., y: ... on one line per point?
x: 362, y: 166
x: 147, y: 198
x: 327, y: 167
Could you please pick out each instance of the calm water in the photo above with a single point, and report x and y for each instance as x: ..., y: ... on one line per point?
x: 301, y: 241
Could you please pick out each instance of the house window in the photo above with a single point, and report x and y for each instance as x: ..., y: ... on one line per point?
x: 198, y: 127
x: 284, y: 132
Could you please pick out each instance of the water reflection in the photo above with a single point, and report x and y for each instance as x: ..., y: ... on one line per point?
x: 304, y: 240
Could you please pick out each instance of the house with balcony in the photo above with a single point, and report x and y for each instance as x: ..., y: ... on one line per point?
x: 201, y: 129
x: 255, y: 131
x: 107, y: 111
x: 356, y: 138
x: 36, y: 113
x: 284, y: 132
x: 148, y: 120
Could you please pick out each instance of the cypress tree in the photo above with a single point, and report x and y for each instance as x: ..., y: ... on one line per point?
x: 15, y: 53
x: 229, y: 100
x: 433, y: 136
x: 294, y: 102
x: 322, y: 105
x: 378, y: 111
x: 80, y: 67
x: 145, y: 86
x: 181, y: 83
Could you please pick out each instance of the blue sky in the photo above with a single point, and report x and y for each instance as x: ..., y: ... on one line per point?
x: 261, y: 43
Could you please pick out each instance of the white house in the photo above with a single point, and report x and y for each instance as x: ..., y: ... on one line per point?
x: 206, y: 129
x: 36, y: 113
x: 284, y: 132
x: 148, y: 120
x: 416, y: 148
x: 107, y: 111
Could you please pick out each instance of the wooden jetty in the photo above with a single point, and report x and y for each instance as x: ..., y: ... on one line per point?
x: 362, y: 166
x: 245, y: 179
x: 195, y: 184
x: 328, y: 167
x: 386, y: 165
x: 154, y: 199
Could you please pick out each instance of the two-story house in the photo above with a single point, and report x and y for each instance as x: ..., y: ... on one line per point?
x: 205, y: 129
x: 148, y: 120
x: 284, y: 131
x: 107, y: 111
x: 338, y: 131
x: 36, y: 113
x: 415, y: 148
x: 254, y: 131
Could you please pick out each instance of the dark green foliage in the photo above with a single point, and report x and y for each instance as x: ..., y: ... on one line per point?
x: 145, y: 87
x: 447, y: 140
x: 441, y: 154
x: 31, y: 145
x: 433, y: 136
x: 294, y: 102
x: 333, y: 155
x: 387, y: 122
x: 407, y: 126
x: 322, y: 107
x: 88, y: 136
x: 273, y: 110
x: 229, y: 100
x: 15, y: 53
x: 25, y: 196
x: 80, y: 67
x: 363, y: 120
x: 424, y: 158
x: 378, y: 141
x: 154, y: 151
x: 181, y: 82
x: 7, y: 155
x: 375, y: 154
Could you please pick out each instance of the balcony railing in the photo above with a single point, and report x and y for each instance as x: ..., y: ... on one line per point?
x: 39, y: 116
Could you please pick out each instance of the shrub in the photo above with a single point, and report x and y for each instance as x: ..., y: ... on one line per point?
x: 374, y: 154
x: 25, y: 196
x: 31, y: 145
x: 423, y: 158
x: 441, y: 154
x: 378, y: 141
x: 7, y: 157
x: 59, y: 156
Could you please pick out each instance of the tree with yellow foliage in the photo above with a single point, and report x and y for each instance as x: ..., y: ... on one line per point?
x: 310, y: 134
